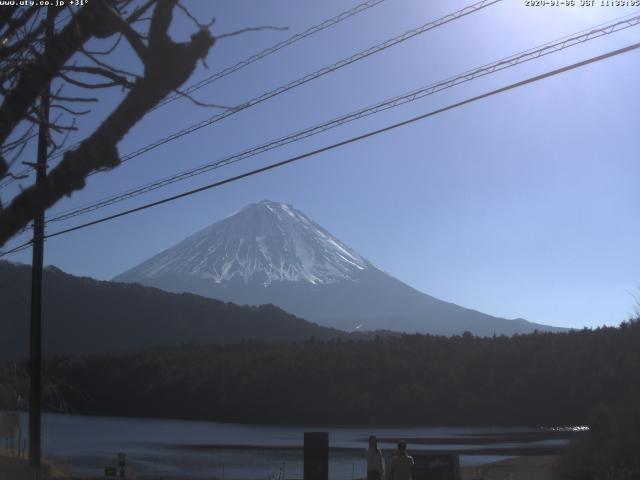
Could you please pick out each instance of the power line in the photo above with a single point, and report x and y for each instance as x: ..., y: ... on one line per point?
x: 273, y: 49
x: 19, y: 248
x: 342, y: 143
x: 344, y: 62
x: 513, y: 60
x: 241, y: 64
x: 309, y: 77
x: 272, y: 166
x: 312, y: 76
x: 10, y: 179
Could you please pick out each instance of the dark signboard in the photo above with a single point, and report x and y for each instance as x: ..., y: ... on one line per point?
x: 316, y: 456
x: 435, y: 466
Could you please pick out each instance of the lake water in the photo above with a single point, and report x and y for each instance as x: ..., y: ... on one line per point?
x: 208, y: 450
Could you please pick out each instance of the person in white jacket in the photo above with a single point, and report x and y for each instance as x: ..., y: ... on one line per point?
x: 375, y: 462
x: 401, y: 464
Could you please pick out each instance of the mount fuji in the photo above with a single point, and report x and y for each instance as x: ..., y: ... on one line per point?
x: 269, y: 252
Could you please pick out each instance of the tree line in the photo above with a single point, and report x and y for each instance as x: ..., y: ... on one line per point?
x: 552, y: 379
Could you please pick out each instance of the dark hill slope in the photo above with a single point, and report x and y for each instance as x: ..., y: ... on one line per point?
x: 82, y: 315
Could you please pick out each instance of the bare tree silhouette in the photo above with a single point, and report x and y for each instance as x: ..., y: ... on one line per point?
x: 27, y: 68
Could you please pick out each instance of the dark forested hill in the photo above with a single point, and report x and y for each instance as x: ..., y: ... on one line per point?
x: 82, y: 315
x: 537, y: 379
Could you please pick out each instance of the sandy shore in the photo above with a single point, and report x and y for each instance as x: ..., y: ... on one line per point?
x: 520, y: 468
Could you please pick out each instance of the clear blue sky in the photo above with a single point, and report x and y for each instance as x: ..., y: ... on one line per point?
x: 521, y: 205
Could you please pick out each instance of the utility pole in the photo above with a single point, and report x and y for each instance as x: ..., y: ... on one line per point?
x: 35, y: 363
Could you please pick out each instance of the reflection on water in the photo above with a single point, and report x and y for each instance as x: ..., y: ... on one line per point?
x: 208, y: 450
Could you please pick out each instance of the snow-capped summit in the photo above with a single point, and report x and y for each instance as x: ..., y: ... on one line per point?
x: 264, y: 242
x: 269, y: 252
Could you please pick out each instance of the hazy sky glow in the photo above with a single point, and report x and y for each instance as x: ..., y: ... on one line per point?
x: 521, y: 205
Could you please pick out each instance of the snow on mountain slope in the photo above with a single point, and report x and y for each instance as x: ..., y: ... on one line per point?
x: 270, y: 252
x: 266, y: 242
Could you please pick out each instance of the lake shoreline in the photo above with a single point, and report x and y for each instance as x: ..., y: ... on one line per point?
x: 524, y: 467
x: 498, y: 451
x: 196, y: 450
x: 566, y: 428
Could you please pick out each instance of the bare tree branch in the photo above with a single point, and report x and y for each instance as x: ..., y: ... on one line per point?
x: 194, y: 19
x: 57, y: 146
x: 160, y: 22
x: 4, y: 167
x: 74, y: 99
x: 108, y: 50
x: 70, y: 111
x: 15, y: 157
x: 94, y: 86
x: 36, y: 75
x: 111, y: 68
x: 134, y: 38
x: 199, y: 103
x: 14, y: 25
x: 53, y: 126
x: 249, y: 29
x: 16, y: 177
x: 25, y: 137
x: 10, y: 49
x: 168, y: 65
x: 104, y: 72
x: 140, y: 11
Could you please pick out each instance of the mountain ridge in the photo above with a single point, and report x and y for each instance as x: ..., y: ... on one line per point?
x: 113, y: 317
x: 317, y: 258
x: 269, y: 252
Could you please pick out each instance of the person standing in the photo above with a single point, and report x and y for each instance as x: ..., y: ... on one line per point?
x: 375, y: 465
x: 401, y: 464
